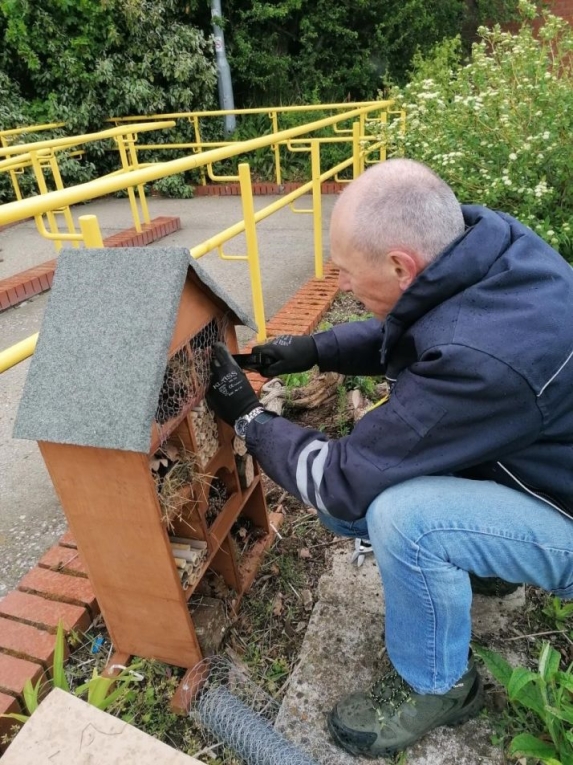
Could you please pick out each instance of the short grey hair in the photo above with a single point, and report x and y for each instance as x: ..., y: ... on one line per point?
x: 403, y: 204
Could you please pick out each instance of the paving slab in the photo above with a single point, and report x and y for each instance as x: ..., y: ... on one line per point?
x: 65, y: 729
x: 341, y: 651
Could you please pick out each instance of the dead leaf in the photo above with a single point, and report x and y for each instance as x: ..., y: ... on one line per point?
x: 300, y: 626
x: 275, y: 570
x: 304, y: 553
x: 278, y: 604
x: 307, y: 599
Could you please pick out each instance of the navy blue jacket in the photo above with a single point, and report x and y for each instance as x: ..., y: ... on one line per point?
x: 479, y: 355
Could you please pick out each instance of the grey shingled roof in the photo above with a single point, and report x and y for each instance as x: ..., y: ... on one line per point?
x: 97, y: 371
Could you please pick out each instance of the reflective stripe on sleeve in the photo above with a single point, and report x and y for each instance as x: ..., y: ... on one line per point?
x: 307, y: 466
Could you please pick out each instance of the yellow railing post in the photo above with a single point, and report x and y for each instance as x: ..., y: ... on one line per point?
x: 67, y: 213
x: 131, y: 138
x: 121, y: 141
x: 252, y: 249
x: 90, y: 229
x: 356, y: 149
x: 43, y: 187
x: 384, y: 123
x: 276, y: 148
x: 316, y: 206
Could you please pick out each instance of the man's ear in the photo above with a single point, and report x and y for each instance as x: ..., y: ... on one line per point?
x: 404, y: 266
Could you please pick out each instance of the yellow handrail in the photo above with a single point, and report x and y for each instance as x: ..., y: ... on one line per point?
x: 76, y: 140
x: 14, y: 211
x: 40, y: 154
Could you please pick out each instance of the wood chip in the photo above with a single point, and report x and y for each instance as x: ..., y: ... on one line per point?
x: 278, y: 604
x: 304, y: 553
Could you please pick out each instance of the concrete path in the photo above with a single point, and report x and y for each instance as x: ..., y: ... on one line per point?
x: 30, y: 516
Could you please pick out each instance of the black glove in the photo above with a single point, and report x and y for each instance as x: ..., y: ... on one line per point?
x: 285, y: 354
x: 230, y: 394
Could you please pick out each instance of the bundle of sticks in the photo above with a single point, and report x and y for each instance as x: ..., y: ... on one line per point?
x: 189, y: 555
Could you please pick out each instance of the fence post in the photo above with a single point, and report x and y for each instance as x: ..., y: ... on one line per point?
x: 252, y: 249
x: 91, y: 233
x: 356, y: 149
x: 316, y: 206
x: 121, y: 140
x: 276, y: 148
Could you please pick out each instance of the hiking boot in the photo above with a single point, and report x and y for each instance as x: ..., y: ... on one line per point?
x: 392, y: 716
x: 492, y: 586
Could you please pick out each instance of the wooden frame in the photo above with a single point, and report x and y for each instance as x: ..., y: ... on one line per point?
x: 111, y: 501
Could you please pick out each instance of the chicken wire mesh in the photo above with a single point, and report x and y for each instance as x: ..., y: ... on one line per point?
x: 232, y: 709
x: 187, y: 375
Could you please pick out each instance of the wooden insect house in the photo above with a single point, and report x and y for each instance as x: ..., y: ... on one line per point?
x: 151, y: 483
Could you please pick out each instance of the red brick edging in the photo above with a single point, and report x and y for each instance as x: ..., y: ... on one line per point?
x: 15, y: 289
x: 262, y: 189
x: 57, y: 588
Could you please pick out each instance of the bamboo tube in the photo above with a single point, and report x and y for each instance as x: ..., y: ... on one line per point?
x: 196, y: 544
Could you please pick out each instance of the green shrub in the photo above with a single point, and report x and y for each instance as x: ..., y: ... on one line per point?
x: 498, y: 129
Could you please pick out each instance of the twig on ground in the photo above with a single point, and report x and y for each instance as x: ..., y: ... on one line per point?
x: 208, y: 749
x: 274, y: 528
x: 541, y: 634
x: 329, y: 544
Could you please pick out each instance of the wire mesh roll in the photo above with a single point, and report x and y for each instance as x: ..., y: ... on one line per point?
x: 247, y: 733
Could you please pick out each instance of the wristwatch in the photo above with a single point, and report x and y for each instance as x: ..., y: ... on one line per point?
x: 259, y: 414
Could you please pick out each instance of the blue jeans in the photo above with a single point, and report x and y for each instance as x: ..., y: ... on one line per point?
x: 427, y: 534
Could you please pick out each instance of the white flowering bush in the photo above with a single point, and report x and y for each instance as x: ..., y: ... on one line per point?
x: 499, y: 129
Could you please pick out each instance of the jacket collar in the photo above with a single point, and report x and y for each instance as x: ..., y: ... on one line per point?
x: 465, y: 262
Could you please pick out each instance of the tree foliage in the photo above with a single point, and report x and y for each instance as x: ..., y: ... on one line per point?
x: 315, y: 50
x: 81, y: 61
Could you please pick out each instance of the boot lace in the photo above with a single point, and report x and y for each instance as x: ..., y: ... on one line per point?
x: 390, y: 693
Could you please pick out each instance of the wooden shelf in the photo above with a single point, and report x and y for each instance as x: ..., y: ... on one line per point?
x: 225, y: 519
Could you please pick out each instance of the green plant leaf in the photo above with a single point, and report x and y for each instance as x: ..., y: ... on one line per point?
x: 496, y: 664
x: 59, y: 676
x: 549, y: 662
x: 31, y: 695
x: 110, y: 698
x: 98, y: 690
x: 526, y: 745
x: 520, y: 677
x: 532, y: 698
x: 562, y: 713
x: 565, y: 679
x: 14, y: 716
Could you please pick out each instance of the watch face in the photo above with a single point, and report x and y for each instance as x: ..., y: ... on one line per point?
x: 241, y: 427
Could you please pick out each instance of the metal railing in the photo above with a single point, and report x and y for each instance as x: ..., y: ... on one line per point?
x: 362, y: 146
x: 340, y: 134
x: 41, y: 156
